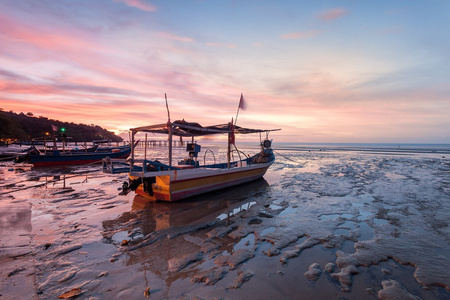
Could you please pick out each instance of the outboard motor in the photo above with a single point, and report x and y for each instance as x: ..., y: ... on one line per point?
x: 130, y: 185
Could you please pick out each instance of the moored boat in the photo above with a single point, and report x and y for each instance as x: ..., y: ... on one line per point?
x: 58, y: 158
x: 12, y: 152
x: 172, y: 182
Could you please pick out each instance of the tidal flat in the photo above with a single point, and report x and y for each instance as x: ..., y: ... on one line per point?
x: 322, y: 224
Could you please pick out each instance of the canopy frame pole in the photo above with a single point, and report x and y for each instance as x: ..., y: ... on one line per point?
x: 169, y: 127
x: 145, y: 148
x: 132, y: 149
x: 230, y: 125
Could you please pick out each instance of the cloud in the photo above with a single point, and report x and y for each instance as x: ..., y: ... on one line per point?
x: 220, y: 45
x: 22, y: 35
x: 170, y: 36
x: 140, y: 4
x: 300, y: 34
x: 332, y: 14
x: 11, y: 75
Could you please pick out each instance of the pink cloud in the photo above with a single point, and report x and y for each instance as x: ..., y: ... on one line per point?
x: 300, y: 35
x: 50, y: 39
x: 332, y: 14
x: 140, y: 4
x: 15, y: 87
x: 170, y: 36
x: 220, y: 45
x: 72, y: 48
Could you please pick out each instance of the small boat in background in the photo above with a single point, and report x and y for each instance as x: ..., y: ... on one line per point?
x: 11, y: 152
x: 70, y: 158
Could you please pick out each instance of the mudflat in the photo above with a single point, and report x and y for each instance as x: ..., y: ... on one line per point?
x: 320, y: 225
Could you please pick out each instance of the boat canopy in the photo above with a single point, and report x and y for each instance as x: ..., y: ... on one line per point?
x: 184, y: 128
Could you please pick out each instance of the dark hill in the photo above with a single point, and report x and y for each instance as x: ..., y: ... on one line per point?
x: 27, y: 126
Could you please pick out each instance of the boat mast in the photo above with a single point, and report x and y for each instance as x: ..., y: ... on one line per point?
x: 169, y: 128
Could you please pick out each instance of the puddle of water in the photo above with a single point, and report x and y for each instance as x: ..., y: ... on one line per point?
x: 243, y: 207
x: 348, y: 247
x: 288, y: 211
x: 366, y: 199
x: 380, y: 221
x: 348, y: 224
x: 278, y: 201
x: 364, y: 215
x: 328, y: 217
x: 118, y: 237
x: 342, y: 231
x: 366, y: 232
x: 137, y: 235
x: 347, y: 216
x: 275, y: 207
x: 246, y: 242
x: 268, y: 230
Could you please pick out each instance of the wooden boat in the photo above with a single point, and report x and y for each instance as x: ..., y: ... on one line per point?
x: 58, y: 158
x: 168, y: 182
x: 111, y: 148
x: 12, y: 152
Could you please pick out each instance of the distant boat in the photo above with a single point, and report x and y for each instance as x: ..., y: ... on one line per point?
x: 12, y: 152
x: 157, y: 181
x: 112, y: 148
x: 58, y: 158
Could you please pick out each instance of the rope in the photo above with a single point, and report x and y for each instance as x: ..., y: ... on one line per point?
x: 287, y: 157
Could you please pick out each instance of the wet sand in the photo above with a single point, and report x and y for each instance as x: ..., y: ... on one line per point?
x: 321, y: 225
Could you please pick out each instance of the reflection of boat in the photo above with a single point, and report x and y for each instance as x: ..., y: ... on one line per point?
x: 151, y: 216
x: 58, y: 158
x: 168, y: 182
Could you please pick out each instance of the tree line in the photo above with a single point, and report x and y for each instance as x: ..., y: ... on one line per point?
x: 26, y: 127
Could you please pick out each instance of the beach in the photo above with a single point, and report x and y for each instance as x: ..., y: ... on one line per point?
x: 324, y: 223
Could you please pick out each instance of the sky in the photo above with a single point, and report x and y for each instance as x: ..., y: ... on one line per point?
x: 322, y: 71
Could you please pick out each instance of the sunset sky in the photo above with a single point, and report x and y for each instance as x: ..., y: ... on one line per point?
x: 323, y: 71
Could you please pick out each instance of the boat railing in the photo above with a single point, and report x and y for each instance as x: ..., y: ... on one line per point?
x: 155, y: 165
x: 115, y: 165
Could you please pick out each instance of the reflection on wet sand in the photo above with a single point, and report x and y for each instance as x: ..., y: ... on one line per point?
x: 154, y: 216
x: 15, y: 217
x: 165, y: 237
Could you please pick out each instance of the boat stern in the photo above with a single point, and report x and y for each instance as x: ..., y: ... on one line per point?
x: 153, y: 188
